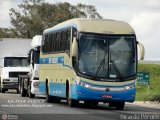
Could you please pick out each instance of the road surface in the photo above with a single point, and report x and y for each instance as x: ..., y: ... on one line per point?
x: 15, y: 107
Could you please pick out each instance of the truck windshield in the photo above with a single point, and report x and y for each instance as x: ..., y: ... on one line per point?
x: 107, y: 56
x: 15, y: 62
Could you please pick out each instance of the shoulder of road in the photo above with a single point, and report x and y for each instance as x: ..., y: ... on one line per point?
x: 149, y: 104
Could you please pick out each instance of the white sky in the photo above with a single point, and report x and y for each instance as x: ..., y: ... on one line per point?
x: 142, y: 15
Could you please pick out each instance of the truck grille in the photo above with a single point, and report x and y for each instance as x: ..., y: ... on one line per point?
x: 16, y: 74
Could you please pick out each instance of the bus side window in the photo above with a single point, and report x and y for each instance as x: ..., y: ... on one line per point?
x: 47, y: 41
x: 61, y: 41
x: 68, y: 40
x: 59, y: 34
x: 50, y: 43
x: 64, y: 40
x: 53, y: 42
x: 56, y: 41
x: 43, y: 44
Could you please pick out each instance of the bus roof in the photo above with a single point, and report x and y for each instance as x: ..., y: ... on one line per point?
x: 105, y: 26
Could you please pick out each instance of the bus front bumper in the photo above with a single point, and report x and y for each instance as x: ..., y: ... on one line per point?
x: 82, y: 93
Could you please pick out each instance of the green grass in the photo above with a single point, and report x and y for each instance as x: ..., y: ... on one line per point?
x: 154, y: 87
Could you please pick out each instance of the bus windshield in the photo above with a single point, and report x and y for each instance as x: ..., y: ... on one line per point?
x: 15, y: 62
x: 107, y: 56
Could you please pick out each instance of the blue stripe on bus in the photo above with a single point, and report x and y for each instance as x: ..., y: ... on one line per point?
x: 54, y: 60
x: 80, y: 93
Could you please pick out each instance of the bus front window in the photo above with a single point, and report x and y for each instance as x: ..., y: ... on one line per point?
x: 93, y: 51
x: 122, y: 57
x: 107, y: 56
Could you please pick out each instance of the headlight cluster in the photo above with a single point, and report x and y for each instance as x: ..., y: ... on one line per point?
x: 83, y: 84
x: 102, y: 88
x: 36, y: 84
x: 129, y: 87
x: 5, y: 80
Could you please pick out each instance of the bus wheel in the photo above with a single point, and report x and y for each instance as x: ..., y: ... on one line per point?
x: 29, y: 92
x: 56, y: 100
x: 117, y: 105
x: 88, y: 103
x: 120, y: 105
x: 72, y: 102
x: 49, y: 98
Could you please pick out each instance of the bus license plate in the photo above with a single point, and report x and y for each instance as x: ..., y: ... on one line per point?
x: 107, y: 96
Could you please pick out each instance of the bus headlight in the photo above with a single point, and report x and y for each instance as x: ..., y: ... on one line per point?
x: 129, y: 87
x: 83, y: 84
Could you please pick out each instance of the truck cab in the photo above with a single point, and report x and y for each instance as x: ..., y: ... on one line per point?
x: 13, y: 66
x: 29, y: 84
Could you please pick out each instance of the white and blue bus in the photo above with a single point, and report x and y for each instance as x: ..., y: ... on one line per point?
x: 90, y: 60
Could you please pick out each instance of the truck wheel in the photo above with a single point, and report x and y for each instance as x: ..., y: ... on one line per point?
x: 23, y: 92
x: 19, y: 87
x: 3, y: 90
x: 49, y: 98
x: 17, y: 91
x: 29, y: 93
x: 0, y: 87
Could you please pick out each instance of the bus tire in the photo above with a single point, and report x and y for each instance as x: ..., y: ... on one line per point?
x: 120, y: 105
x: 56, y: 100
x: 49, y: 99
x: 71, y: 102
x: 117, y: 105
x: 88, y: 103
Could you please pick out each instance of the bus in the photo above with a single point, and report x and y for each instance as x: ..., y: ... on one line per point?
x: 90, y: 60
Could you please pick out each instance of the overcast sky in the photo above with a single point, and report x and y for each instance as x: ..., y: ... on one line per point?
x: 142, y: 15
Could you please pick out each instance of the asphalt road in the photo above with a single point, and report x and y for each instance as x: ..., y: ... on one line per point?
x: 15, y: 107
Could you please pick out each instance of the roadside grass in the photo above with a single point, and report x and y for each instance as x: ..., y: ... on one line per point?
x: 153, y: 94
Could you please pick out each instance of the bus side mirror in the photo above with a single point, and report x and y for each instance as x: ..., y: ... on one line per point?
x: 74, y: 47
x: 142, y: 50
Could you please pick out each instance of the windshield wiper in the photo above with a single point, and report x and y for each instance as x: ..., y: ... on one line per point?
x: 115, y: 68
x: 99, y: 68
x: 101, y: 65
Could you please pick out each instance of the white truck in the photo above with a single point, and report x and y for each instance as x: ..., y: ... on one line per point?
x: 29, y: 84
x: 13, y: 62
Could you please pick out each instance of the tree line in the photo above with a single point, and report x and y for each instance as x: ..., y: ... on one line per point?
x: 33, y: 16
